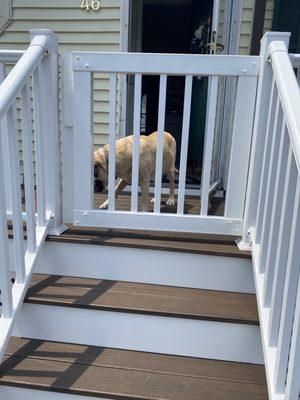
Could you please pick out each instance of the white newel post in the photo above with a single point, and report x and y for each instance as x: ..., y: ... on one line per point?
x: 259, y: 133
x: 67, y: 142
x: 51, y: 131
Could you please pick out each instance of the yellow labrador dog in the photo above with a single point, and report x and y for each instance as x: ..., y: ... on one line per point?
x: 147, y: 163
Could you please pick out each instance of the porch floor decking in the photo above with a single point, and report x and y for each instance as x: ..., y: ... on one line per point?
x: 124, y: 374
x: 191, y: 204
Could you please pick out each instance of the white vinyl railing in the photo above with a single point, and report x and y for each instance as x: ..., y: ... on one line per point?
x: 272, y: 219
x: 37, y: 66
x: 295, y: 60
x: 244, y: 69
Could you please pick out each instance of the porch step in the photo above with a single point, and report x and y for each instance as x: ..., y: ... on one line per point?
x: 143, y: 317
x: 40, y: 367
x: 220, y: 245
x: 200, y: 261
x: 140, y: 298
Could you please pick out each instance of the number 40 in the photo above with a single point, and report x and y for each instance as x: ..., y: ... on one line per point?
x: 90, y: 4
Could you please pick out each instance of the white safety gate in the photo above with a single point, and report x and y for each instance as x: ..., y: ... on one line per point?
x: 243, y: 68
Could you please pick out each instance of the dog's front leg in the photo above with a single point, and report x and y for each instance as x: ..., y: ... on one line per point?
x: 145, y: 194
x: 120, y: 186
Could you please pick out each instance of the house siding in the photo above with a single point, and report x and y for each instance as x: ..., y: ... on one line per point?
x: 76, y: 29
x: 269, y: 15
x: 247, y: 23
x: 246, y: 27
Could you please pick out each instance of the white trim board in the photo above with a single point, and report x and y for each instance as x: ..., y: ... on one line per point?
x: 158, y: 334
x: 157, y: 267
x: 166, y: 63
x: 19, y: 393
x: 158, y: 222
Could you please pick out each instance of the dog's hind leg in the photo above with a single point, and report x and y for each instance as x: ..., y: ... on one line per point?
x: 171, y: 199
x: 120, y: 186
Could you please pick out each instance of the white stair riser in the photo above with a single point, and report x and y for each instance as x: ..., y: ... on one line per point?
x: 159, y: 334
x: 15, y: 393
x: 147, y: 266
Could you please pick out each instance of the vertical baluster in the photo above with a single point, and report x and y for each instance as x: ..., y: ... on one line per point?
x: 3, y: 125
x: 39, y: 146
x: 265, y: 163
x: 6, y: 296
x: 285, y: 219
x: 289, y: 297
x: 112, y: 141
x: 159, y: 150
x: 28, y: 169
x: 274, y: 224
x: 15, y: 185
x: 184, y: 142
x: 293, y: 381
x: 269, y: 183
x: 298, y: 75
x: 136, y: 141
x: 208, y: 145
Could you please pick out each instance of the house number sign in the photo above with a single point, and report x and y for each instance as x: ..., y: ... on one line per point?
x: 88, y: 5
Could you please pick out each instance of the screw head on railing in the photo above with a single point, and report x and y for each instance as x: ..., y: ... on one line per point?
x: 244, y: 71
x: 87, y: 66
x: 77, y: 58
x: 85, y: 214
x: 229, y: 222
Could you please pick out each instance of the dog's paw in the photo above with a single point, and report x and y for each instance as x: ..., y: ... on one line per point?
x: 170, y: 202
x: 153, y: 200
x: 104, y: 206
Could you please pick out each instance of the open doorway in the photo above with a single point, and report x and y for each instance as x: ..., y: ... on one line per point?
x: 169, y: 26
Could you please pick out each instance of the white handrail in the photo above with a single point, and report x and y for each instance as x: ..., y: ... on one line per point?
x: 39, y: 64
x: 10, y: 56
x: 295, y: 59
x: 272, y: 216
x: 289, y: 92
x: 18, y: 76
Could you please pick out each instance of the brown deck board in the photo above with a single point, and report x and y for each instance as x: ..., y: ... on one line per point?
x: 122, y: 374
x: 143, y: 298
x: 191, y: 204
x: 220, y: 245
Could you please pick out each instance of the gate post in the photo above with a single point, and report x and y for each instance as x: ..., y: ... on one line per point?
x: 258, y: 141
x: 51, y: 131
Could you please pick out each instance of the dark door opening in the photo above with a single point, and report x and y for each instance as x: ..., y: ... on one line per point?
x: 169, y: 27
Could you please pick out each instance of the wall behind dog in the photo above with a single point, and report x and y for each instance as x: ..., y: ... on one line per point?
x: 77, y: 29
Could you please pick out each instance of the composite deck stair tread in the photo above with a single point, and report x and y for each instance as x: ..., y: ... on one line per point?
x: 123, y: 374
x: 220, y: 245
x: 143, y: 298
x: 199, y: 243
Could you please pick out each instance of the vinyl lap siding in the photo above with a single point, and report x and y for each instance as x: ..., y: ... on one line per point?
x: 77, y: 29
x: 246, y: 27
x: 247, y: 23
x: 269, y: 16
